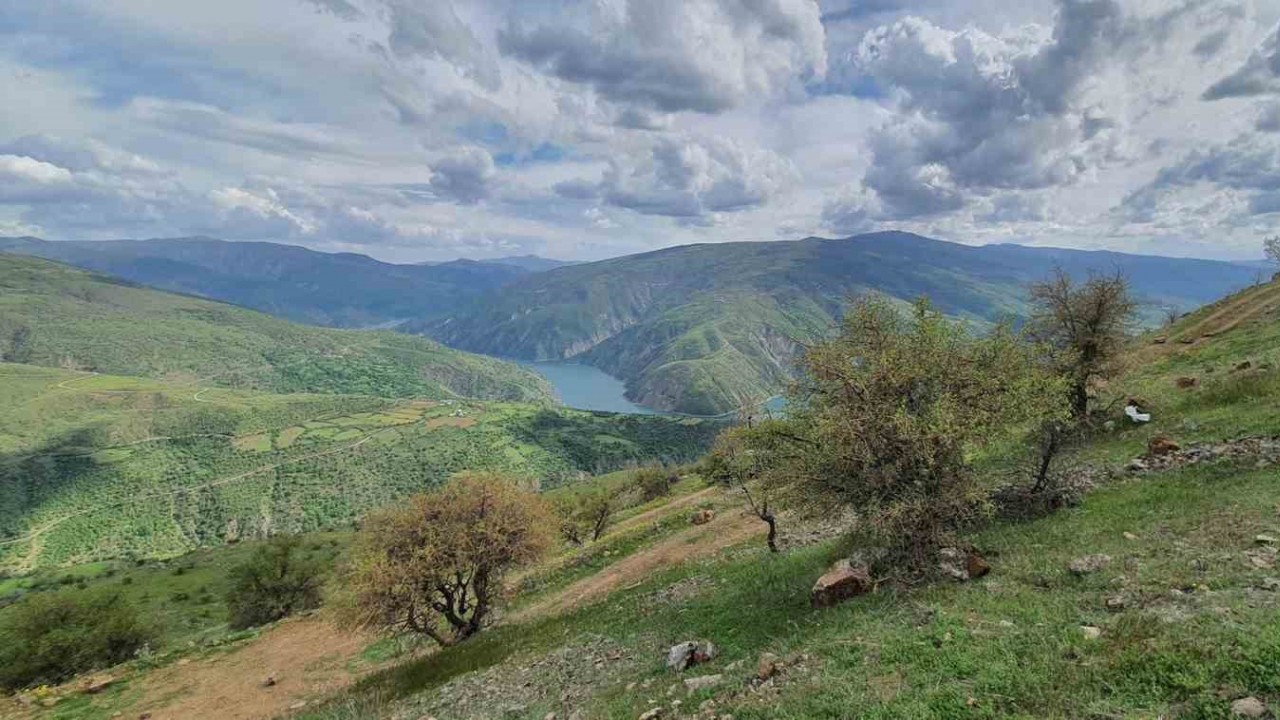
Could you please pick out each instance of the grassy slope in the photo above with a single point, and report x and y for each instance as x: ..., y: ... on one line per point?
x: 1197, y: 630
x: 55, y: 315
x: 103, y: 466
x: 705, y: 328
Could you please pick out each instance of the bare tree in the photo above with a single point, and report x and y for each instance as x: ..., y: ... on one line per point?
x: 1086, y: 325
x: 1271, y: 248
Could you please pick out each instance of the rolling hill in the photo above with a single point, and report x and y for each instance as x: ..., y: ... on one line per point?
x: 101, y: 466
x: 705, y: 329
x: 333, y: 289
x: 58, y: 316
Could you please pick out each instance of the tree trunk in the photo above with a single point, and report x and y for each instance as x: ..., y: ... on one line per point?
x: 773, y: 530
x: 1080, y: 399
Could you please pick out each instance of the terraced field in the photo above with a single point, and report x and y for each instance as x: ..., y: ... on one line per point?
x: 99, y: 466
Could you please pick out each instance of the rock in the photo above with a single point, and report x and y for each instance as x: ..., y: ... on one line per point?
x: 651, y: 714
x: 841, y: 582
x: 1265, y: 539
x: 1137, y: 465
x: 702, y: 517
x: 298, y: 705
x: 1186, y: 383
x: 1116, y: 603
x: 549, y: 716
x: 1160, y: 445
x: 1130, y: 536
x: 679, y: 656
x: 269, y: 682
x: 705, y: 652
x: 1089, y: 564
x: 685, y: 654
x: 95, y: 685
x: 976, y: 565
x: 767, y: 666
x: 704, y: 682
x: 1159, y: 340
x: 1241, y: 367
x: 1091, y: 632
x: 1250, y: 707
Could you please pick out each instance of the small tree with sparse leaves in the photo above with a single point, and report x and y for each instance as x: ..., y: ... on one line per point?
x: 884, y: 418
x: 434, y: 563
x: 1085, y: 326
x: 1271, y: 249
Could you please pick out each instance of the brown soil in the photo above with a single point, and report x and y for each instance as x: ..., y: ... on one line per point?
x: 308, y: 658
x: 697, y: 541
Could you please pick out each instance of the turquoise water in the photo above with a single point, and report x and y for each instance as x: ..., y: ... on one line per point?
x: 587, y: 388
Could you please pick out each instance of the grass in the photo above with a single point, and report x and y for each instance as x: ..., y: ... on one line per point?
x: 1008, y: 646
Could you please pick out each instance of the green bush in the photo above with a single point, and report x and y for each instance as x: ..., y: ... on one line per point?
x: 273, y: 583
x: 50, y: 637
x: 654, y: 482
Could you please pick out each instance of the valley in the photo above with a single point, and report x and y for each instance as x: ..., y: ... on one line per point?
x: 707, y: 329
x: 1177, y: 620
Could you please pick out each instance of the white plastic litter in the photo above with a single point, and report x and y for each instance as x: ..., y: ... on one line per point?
x: 1136, y: 415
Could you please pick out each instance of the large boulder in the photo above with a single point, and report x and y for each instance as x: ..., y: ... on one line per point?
x: 841, y: 582
x: 702, y: 517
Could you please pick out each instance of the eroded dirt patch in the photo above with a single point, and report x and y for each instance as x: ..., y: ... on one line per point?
x: 307, y: 658
x: 697, y: 541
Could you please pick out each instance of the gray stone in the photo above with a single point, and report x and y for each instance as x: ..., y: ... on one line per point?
x: 1250, y: 707
x: 704, y: 682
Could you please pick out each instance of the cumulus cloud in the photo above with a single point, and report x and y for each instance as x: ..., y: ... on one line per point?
x: 1246, y: 171
x: 428, y: 29
x: 1269, y: 118
x: 692, y: 177
x: 464, y: 175
x: 1259, y: 75
x: 673, y: 55
x: 24, y: 179
x: 981, y: 112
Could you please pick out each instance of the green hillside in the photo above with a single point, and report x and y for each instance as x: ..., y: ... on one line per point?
x: 334, y: 289
x: 58, y: 316
x: 99, y: 466
x: 705, y: 329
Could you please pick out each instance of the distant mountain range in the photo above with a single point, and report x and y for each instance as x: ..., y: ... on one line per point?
x: 705, y: 329
x: 701, y: 329
x: 333, y: 289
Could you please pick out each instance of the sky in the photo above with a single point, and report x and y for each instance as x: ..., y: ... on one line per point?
x: 415, y: 130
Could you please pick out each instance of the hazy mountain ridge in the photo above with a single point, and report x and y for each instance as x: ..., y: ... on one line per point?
x: 333, y: 289
x: 706, y: 328
x: 56, y: 315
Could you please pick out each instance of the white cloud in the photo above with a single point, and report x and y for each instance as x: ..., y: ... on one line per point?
x: 424, y: 129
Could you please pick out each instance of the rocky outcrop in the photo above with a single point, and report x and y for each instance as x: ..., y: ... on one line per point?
x: 842, y: 581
